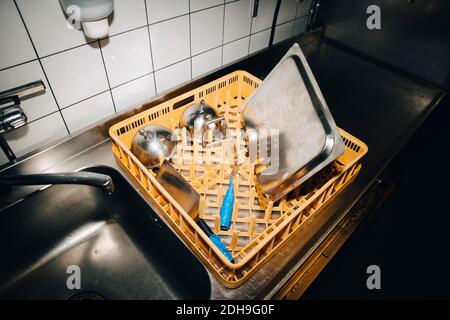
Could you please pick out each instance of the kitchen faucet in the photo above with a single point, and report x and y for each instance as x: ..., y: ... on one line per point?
x: 81, y: 177
x: 13, y: 117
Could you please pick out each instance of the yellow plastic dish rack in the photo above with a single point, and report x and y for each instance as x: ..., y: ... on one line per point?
x: 258, y: 229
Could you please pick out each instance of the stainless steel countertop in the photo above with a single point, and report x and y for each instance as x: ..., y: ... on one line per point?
x: 377, y: 105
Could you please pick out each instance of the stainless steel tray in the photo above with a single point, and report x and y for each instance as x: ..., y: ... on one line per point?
x: 288, y: 110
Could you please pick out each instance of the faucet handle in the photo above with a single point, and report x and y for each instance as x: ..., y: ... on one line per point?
x: 25, y: 91
x: 11, y: 114
x: 8, y: 102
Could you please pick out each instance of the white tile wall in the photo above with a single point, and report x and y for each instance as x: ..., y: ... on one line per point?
x: 173, y: 75
x: 134, y: 92
x: 287, y: 11
x: 35, y: 107
x: 153, y: 45
x: 88, y: 111
x: 206, y: 62
x: 265, y: 15
x: 237, y: 20
x: 128, y: 15
x: 17, y: 44
x: 170, y: 41
x: 203, y: 4
x: 159, y: 10
x: 235, y: 50
x: 206, y: 29
x: 259, y: 40
x: 283, y: 31
x: 127, y: 56
x: 76, y: 74
x: 303, y: 8
x: 48, y: 26
x: 300, y: 25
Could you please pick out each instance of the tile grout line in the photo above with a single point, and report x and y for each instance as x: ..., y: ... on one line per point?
x: 281, y: 24
x: 106, y: 73
x: 243, y: 37
x: 172, y: 64
x: 292, y: 20
x: 260, y: 31
x: 296, y: 9
x: 146, y: 26
x: 123, y: 32
x: 42, y: 117
x: 151, y: 48
x: 206, y: 8
x: 250, y: 32
x: 131, y: 80
x: 104, y: 91
x: 206, y: 51
x: 295, y: 18
x: 42, y: 67
x: 184, y: 14
x: 93, y: 41
x: 151, y: 54
x: 190, y: 35
x: 111, y: 36
x: 85, y: 99
x: 137, y: 28
x: 134, y: 29
x: 68, y: 49
x: 18, y: 64
x: 126, y: 82
x: 223, y: 32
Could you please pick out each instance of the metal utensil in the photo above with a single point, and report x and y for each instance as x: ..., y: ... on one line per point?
x: 288, y: 119
x: 188, y: 198
x: 201, y: 118
x: 181, y: 190
x: 153, y: 144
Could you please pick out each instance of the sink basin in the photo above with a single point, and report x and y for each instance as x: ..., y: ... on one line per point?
x: 122, y: 248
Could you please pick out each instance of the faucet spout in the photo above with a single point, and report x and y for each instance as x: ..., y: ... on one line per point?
x: 102, y: 181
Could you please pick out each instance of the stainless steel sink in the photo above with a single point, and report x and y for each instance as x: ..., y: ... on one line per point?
x: 123, y: 249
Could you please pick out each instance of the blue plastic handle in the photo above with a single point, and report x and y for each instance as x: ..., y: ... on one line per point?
x: 214, y: 238
x: 226, y: 211
x: 219, y: 244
